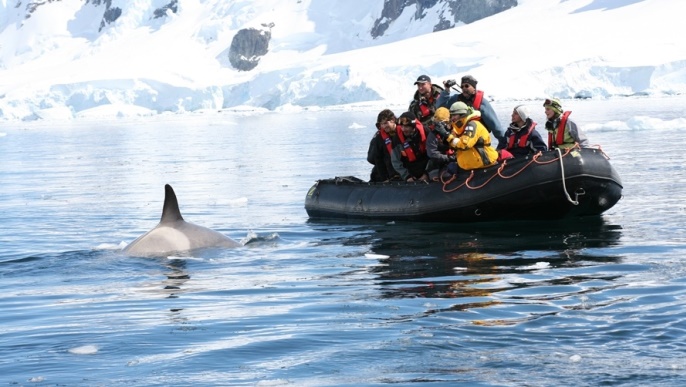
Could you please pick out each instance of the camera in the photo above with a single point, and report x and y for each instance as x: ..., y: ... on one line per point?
x: 450, y: 83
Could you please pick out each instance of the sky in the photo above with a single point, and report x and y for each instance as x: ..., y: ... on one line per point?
x: 55, y: 65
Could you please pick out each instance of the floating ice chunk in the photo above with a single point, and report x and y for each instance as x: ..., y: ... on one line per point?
x: 84, y: 350
x: 239, y: 202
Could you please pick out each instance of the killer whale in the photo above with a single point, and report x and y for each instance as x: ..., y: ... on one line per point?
x: 174, y: 234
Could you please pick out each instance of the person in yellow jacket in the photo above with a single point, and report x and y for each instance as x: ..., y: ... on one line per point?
x: 470, y: 138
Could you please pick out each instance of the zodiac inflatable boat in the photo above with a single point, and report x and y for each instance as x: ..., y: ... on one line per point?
x: 550, y: 185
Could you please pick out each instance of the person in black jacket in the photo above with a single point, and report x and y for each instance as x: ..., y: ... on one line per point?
x: 440, y: 154
x: 409, y: 156
x: 380, y: 148
x: 423, y: 104
x: 521, y: 137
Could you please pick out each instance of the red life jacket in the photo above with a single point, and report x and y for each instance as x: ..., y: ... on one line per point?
x: 522, y: 140
x: 407, y: 148
x: 560, y: 138
x: 477, y: 99
x: 387, y: 140
x: 426, y: 105
x: 424, y: 108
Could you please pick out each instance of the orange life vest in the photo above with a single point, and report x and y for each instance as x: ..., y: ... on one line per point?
x: 387, y: 140
x: 477, y: 99
x: 560, y: 138
x: 426, y: 105
x: 522, y: 140
x: 407, y: 148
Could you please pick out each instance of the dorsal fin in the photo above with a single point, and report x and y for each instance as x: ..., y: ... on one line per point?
x: 170, y: 211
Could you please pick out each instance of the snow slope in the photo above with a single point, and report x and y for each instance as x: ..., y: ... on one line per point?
x: 56, y: 65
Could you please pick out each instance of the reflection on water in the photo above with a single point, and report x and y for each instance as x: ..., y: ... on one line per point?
x: 317, y: 303
x: 176, y: 277
x: 476, y: 261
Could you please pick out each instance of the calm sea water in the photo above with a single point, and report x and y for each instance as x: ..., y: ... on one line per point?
x: 584, y: 303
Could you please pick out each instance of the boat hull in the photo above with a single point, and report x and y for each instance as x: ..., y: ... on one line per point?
x: 553, y: 185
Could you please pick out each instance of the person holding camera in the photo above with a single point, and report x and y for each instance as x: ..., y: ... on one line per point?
x: 475, y: 99
x: 470, y: 139
x: 440, y: 154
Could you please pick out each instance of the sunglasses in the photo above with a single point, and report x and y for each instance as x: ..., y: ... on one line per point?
x: 550, y: 102
x: 466, y: 85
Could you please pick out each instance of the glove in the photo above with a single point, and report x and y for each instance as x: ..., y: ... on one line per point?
x: 452, y: 158
x: 454, y: 142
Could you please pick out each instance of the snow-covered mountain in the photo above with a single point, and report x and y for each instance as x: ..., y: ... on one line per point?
x: 79, y: 58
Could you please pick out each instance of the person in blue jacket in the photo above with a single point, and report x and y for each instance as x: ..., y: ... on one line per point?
x: 474, y: 98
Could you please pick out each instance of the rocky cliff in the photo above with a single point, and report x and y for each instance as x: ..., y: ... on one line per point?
x: 252, y: 43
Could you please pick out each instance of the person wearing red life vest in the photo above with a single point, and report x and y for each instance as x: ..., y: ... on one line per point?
x: 475, y: 99
x: 470, y: 139
x: 521, y: 137
x: 423, y: 104
x: 381, y: 146
x: 409, y: 157
x: 563, y: 133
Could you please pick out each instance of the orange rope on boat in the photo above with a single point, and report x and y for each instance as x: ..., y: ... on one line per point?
x: 445, y: 184
x: 598, y: 147
x: 482, y: 185
x: 518, y: 172
x: 499, y: 171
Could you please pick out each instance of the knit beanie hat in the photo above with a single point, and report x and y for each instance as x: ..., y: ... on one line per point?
x: 523, y: 112
x: 553, y: 104
x: 442, y: 114
x: 407, y: 118
x: 469, y: 79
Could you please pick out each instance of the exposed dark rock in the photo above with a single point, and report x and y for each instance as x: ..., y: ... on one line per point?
x: 466, y: 11
x: 162, y: 11
x: 31, y: 6
x: 469, y: 11
x: 247, y: 47
x: 110, y: 15
x: 391, y: 10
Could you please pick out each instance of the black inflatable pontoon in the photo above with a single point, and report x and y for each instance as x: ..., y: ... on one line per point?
x: 550, y: 185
